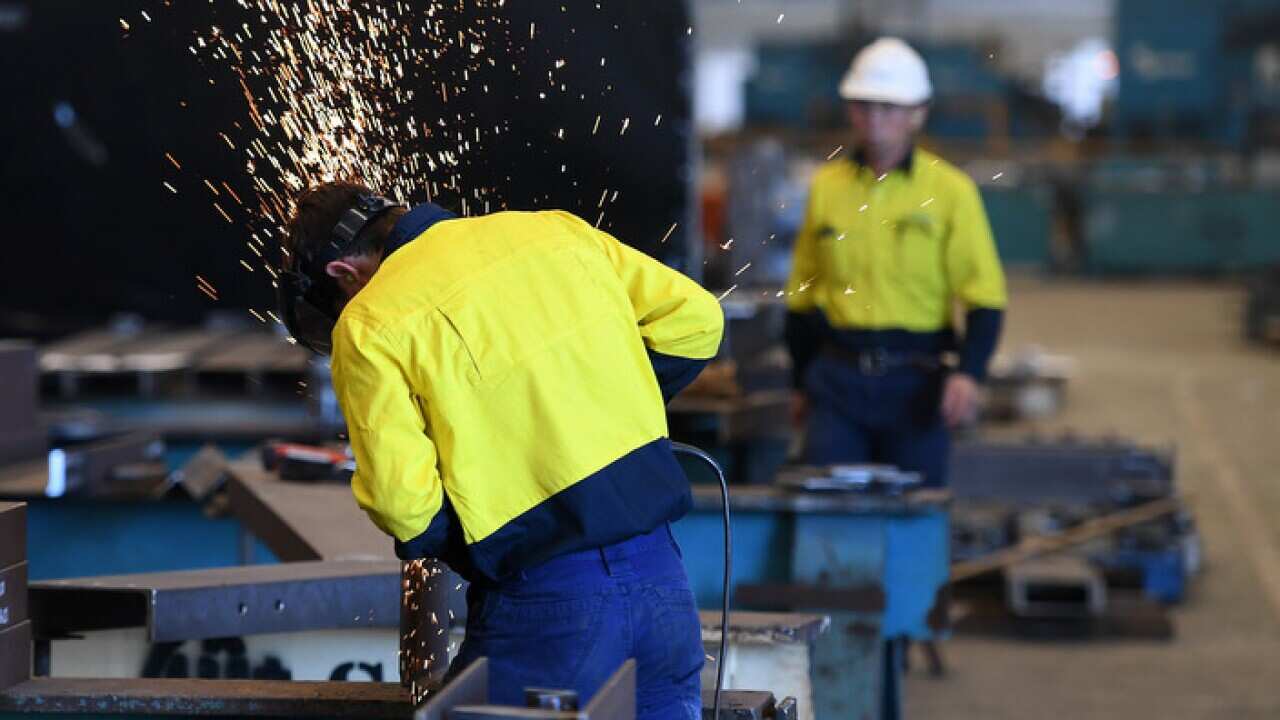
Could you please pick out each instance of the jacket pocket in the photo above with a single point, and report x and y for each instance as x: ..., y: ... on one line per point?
x: 919, y: 249
x: 678, y: 631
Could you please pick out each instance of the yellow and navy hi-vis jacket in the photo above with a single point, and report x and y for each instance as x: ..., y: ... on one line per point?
x: 879, y: 262
x: 503, y: 378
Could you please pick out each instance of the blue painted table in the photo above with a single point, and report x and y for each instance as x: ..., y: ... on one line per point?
x: 877, y: 564
x: 77, y: 536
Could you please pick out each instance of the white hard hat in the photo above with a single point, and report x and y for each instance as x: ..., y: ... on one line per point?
x: 888, y: 71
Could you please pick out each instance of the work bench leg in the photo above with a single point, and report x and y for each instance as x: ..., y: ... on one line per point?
x: 41, y: 658
x: 937, y: 668
x: 891, y: 706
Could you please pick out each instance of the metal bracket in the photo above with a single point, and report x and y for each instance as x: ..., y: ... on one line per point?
x: 465, y: 698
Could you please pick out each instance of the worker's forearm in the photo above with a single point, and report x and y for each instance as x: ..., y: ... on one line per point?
x: 804, y: 332
x: 981, y: 335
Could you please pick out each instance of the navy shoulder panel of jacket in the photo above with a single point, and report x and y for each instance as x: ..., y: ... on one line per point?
x: 414, y: 223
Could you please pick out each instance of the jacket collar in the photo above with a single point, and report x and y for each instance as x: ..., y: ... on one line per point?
x: 414, y: 223
x: 859, y: 158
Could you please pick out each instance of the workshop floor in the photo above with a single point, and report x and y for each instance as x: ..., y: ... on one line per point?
x: 1159, y: 363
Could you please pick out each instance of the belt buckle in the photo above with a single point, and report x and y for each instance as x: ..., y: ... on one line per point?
x: 873, y: 362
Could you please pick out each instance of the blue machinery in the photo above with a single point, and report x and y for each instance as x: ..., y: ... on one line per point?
x: 877, y: 565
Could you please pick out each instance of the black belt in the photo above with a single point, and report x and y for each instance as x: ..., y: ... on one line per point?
x: 878, y: 361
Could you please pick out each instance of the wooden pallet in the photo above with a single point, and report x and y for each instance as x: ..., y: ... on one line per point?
x: 157, y: 361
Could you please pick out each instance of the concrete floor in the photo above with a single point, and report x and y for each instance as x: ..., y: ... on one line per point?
x: 1159, y: 363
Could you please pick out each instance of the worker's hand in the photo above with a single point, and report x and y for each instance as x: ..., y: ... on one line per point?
x: 799, y: 409
x: 960, y: 400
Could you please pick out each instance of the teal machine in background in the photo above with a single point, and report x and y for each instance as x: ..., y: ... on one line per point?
x: 1189, y: 70
x: 1022, y: 222
x: 1192, y: 72
x: 1198, y: 93
x: 1180, y: 232
x: 795, y: 87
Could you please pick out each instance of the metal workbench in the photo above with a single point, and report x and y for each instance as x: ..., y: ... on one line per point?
x: 877, y: 564
x: 81, y: 698
x: 882, y: 558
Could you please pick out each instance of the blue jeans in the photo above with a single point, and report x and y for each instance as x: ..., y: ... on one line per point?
x: 894, y: 418
x: 572, y: 621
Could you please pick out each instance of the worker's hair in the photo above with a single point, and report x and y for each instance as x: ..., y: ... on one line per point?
x: 318, y: 210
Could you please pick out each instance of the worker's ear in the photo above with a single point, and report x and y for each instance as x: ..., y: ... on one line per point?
x: 349, y: 275
x: 353, y: 272
x: 919, y: 116
x: 342, y: 271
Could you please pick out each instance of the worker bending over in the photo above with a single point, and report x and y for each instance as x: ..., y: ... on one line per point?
x: 503, y: 380
x: 893, y: 237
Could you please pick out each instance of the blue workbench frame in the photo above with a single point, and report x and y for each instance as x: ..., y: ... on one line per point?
x: 901, y: 549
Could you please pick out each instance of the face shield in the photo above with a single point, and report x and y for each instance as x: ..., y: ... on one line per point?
x: 306, y: 318
x: 306, y: 297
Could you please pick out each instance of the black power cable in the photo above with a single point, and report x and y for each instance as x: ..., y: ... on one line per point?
x: 728, y: 564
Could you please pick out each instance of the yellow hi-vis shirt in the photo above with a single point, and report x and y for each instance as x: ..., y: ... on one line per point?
x: 503, y: 365
x: 894, y: 252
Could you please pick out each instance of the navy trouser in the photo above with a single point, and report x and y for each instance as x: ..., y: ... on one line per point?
x: 572, y: 621
x: 894, y: 418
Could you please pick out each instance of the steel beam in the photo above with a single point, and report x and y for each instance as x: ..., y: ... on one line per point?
x: 302, y: 522
x: 224, y: 602
x: 13, y: 595
x: 208, y: 698
x: 15, y: 655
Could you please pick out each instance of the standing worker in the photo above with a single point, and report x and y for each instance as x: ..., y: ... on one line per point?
x: 504, y: 379
x: 893, y: 237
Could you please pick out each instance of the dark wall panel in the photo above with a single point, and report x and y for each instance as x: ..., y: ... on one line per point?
x: 89, y: 112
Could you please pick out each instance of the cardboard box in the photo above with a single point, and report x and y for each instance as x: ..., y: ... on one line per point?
x: 13, y: 595
x: 15, y: 655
